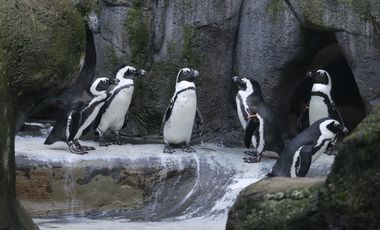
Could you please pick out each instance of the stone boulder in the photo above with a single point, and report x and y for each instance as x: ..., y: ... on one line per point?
x: 41, y: 46
x: 277, y: 203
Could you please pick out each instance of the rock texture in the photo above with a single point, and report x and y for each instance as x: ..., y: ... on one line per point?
x: 351, y: 199
x: 277, y: 203
x: 348, y: 199
x: 41, y: 44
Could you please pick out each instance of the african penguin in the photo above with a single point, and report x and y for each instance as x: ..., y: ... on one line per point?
x: 259, y: 121
x: 112, y: 115
x: 181, y: 112
x: 321, y: 104
x: 306, y: 147
x: 77, y: 121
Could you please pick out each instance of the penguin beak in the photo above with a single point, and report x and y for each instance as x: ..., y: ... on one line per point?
x: 310, y: 74
x: 343, y: 130
x: 195, y: 73
x: 235, y: 78
x: 114, y: 81
x: 141, y: 72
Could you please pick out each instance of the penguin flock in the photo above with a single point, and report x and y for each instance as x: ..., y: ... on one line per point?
x: 263, y: 131
x: 104, y: 108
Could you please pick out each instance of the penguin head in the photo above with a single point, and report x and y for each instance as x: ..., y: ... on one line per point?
x: 319, y: 77
x: 187, y: 74
x: 335, y: 127
x: 101, y: 85
x: 248, y: 85
x: 129, y: 72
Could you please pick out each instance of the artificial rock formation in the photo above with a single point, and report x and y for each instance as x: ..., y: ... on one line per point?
x: 41, y: 45
x: 273, y: 41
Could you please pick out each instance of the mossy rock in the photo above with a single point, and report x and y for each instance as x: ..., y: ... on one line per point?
x: 351, y: 200
x: 278, y: 203
x: 41, y: 45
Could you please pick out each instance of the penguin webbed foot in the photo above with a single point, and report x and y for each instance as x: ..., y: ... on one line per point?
x: 250, y: 160
x: 103, y: 142
x: 83, y: 147
x: 168, y: 149
x: 189, y: 149
x: 251, y: 152
x: 117, y: 141
x: 74, y: 149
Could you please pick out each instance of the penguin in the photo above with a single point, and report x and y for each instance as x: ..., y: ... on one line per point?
x: 182, y: 111
x: 113, y: 114
x: 306, y: 147
x: 78, y: 118
x: 321, y: 104
x: 259, y: 121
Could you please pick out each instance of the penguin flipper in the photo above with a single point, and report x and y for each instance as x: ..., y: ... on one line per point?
x: 304, y: 159
x: 251, y: 127
x: 199, y: 122
x: 98, y: 117
x: 125, y: 121
x: 76, y: 118
x: 167, y: 114
x: 302, y: 119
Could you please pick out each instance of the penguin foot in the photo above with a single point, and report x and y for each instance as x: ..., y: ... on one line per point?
x: 104, y: 143
x: 252, y: 153
x: 87, y: 148
x: 169, y: 149
x: 75, y: 150
x: 189, y: 149
x: 118, y: 142
x: 82, y: 147
x: 252, y: 159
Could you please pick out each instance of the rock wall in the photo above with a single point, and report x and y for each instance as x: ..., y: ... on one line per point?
x: 272, y: 41
x: 41, y: 45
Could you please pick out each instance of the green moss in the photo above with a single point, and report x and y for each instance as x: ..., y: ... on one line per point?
x: 87, y: 6
x: 353, y: 184
x: 275, y: 7
x: 138, y: 29
x: 190, y: 46
x: 278, y: 203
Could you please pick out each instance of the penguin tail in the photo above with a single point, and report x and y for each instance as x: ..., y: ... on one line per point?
x: 49, y: 140
x: 270, y: 174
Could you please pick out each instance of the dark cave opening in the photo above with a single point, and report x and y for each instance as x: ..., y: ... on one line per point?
x: 328, y: 56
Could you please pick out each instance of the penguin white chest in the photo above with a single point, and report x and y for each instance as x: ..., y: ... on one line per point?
x: 239, y: 105
x: 258, y: 140
x: 114, y: 116
x: 179, y: 126
x: 317, y: 154
x: 317, y: 109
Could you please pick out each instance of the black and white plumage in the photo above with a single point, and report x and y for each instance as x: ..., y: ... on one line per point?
x: 321, y: 104
x: 306, y: 147
x: 179, y: 116
x: 261, y: 125
x: 113, y: 114
x: 78, y: 118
